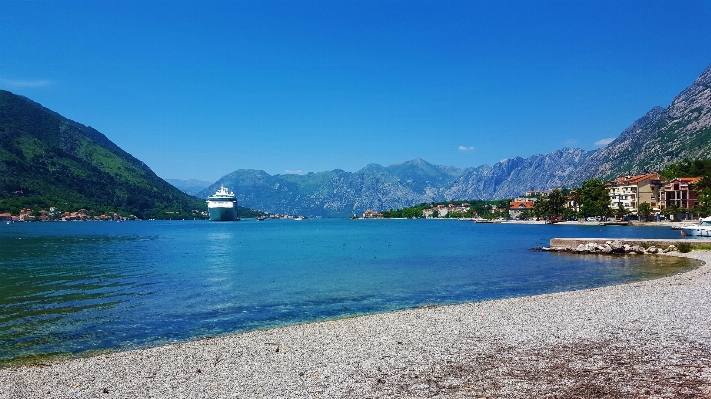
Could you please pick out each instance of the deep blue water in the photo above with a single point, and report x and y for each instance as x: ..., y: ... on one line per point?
x: 77, y: 287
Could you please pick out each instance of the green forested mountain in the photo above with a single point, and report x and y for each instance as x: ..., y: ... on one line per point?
x: 48, y: 160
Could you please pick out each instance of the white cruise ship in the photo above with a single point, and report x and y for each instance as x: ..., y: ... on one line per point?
x: 222, y: 205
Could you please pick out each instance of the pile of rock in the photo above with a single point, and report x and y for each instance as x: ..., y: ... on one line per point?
x: 611, y: 247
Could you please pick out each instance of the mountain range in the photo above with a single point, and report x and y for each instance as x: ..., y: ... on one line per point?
x: 47, y: 159
x: 660, y: 137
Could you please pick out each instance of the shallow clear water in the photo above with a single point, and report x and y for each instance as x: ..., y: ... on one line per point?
x: 77, y: 287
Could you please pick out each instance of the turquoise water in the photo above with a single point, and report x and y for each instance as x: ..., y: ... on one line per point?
x: 78, y: 287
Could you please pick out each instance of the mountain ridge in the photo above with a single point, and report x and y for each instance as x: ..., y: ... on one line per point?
x: 47, y: 160
x: 44, y: 154
x: 338, y: 193
x: 660, y: 137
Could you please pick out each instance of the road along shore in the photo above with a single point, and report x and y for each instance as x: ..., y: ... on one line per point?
x: 644, y: 339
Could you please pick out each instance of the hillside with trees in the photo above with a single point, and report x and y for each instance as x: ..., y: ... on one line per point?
x: 47, y: 160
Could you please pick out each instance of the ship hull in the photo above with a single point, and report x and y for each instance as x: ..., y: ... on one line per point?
x: 222, y: 214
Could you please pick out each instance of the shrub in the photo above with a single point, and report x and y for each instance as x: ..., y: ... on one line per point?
x: 683, y: 247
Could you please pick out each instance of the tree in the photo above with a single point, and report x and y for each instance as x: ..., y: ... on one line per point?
x: 671, y: 211
x: 687, y: 168
x: 541, y: 207
x: 704, y: 207
x: 556, y: 202
x: 621, y: 211
x: 412, y: 213
x: 595, y: 199
x: 569, y: 213
x: 645, y: 210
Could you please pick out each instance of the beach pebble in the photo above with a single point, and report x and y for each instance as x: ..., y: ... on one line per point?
x: 645, y: 339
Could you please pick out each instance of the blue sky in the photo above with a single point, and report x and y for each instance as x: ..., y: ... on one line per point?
x: 198, y: 89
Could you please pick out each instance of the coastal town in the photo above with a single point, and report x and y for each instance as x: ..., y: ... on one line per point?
x: 647, y: 196
x: 54, y: 214
x: 355, y: 199
x: 628, y: 197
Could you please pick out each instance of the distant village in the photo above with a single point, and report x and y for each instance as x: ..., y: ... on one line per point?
x: 54, y: 214
x: 629, y: 196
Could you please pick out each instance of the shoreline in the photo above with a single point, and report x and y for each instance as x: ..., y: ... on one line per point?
x: 647, y: 338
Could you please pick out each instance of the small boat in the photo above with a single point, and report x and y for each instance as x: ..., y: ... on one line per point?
x: 702, y: 229
x: 614, y: 223
x: 260, y: 218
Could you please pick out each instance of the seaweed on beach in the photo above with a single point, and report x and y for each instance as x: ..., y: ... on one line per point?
x: 609, y: 369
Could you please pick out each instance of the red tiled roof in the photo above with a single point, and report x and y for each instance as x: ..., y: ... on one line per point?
x: 521, y: 204
x: 626, y: 180
x: 688, y: 180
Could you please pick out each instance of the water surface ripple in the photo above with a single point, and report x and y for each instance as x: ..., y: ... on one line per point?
x: 78, y: 287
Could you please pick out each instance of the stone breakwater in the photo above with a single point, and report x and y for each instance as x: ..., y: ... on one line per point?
x: 647, y: 339
x: 612, y: 247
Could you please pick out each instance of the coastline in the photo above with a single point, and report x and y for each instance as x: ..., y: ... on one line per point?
x: 648, y: 338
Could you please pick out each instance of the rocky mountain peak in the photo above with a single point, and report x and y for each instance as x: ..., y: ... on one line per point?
x: 662, y: 136
x: 705, y: 78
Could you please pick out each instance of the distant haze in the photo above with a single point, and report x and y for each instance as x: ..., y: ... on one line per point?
x: 191, y: 186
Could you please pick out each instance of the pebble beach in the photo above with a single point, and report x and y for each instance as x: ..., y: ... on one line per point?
x: 649, y: 339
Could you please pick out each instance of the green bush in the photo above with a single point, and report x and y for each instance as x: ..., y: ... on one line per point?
x: 683, y: 247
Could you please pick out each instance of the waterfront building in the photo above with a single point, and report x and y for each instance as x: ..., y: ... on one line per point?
x: 571, y: 203
x: 630, y: 191
x: 370, y: 214
x: 442, y: 210
x: 680, y: 192
x: 516, y: 208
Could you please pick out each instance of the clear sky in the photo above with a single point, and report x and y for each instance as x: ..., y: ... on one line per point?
x: 198, y: 89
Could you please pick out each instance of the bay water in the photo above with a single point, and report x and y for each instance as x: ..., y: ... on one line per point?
x: 75, y: 288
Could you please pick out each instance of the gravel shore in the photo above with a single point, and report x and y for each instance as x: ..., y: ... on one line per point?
x: 647, y: 339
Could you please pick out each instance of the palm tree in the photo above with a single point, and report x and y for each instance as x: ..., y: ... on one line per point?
x: 621, y: 211
x: 644, y: 210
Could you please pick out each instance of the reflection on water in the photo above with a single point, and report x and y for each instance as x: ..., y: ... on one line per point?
x: 79, y: 287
